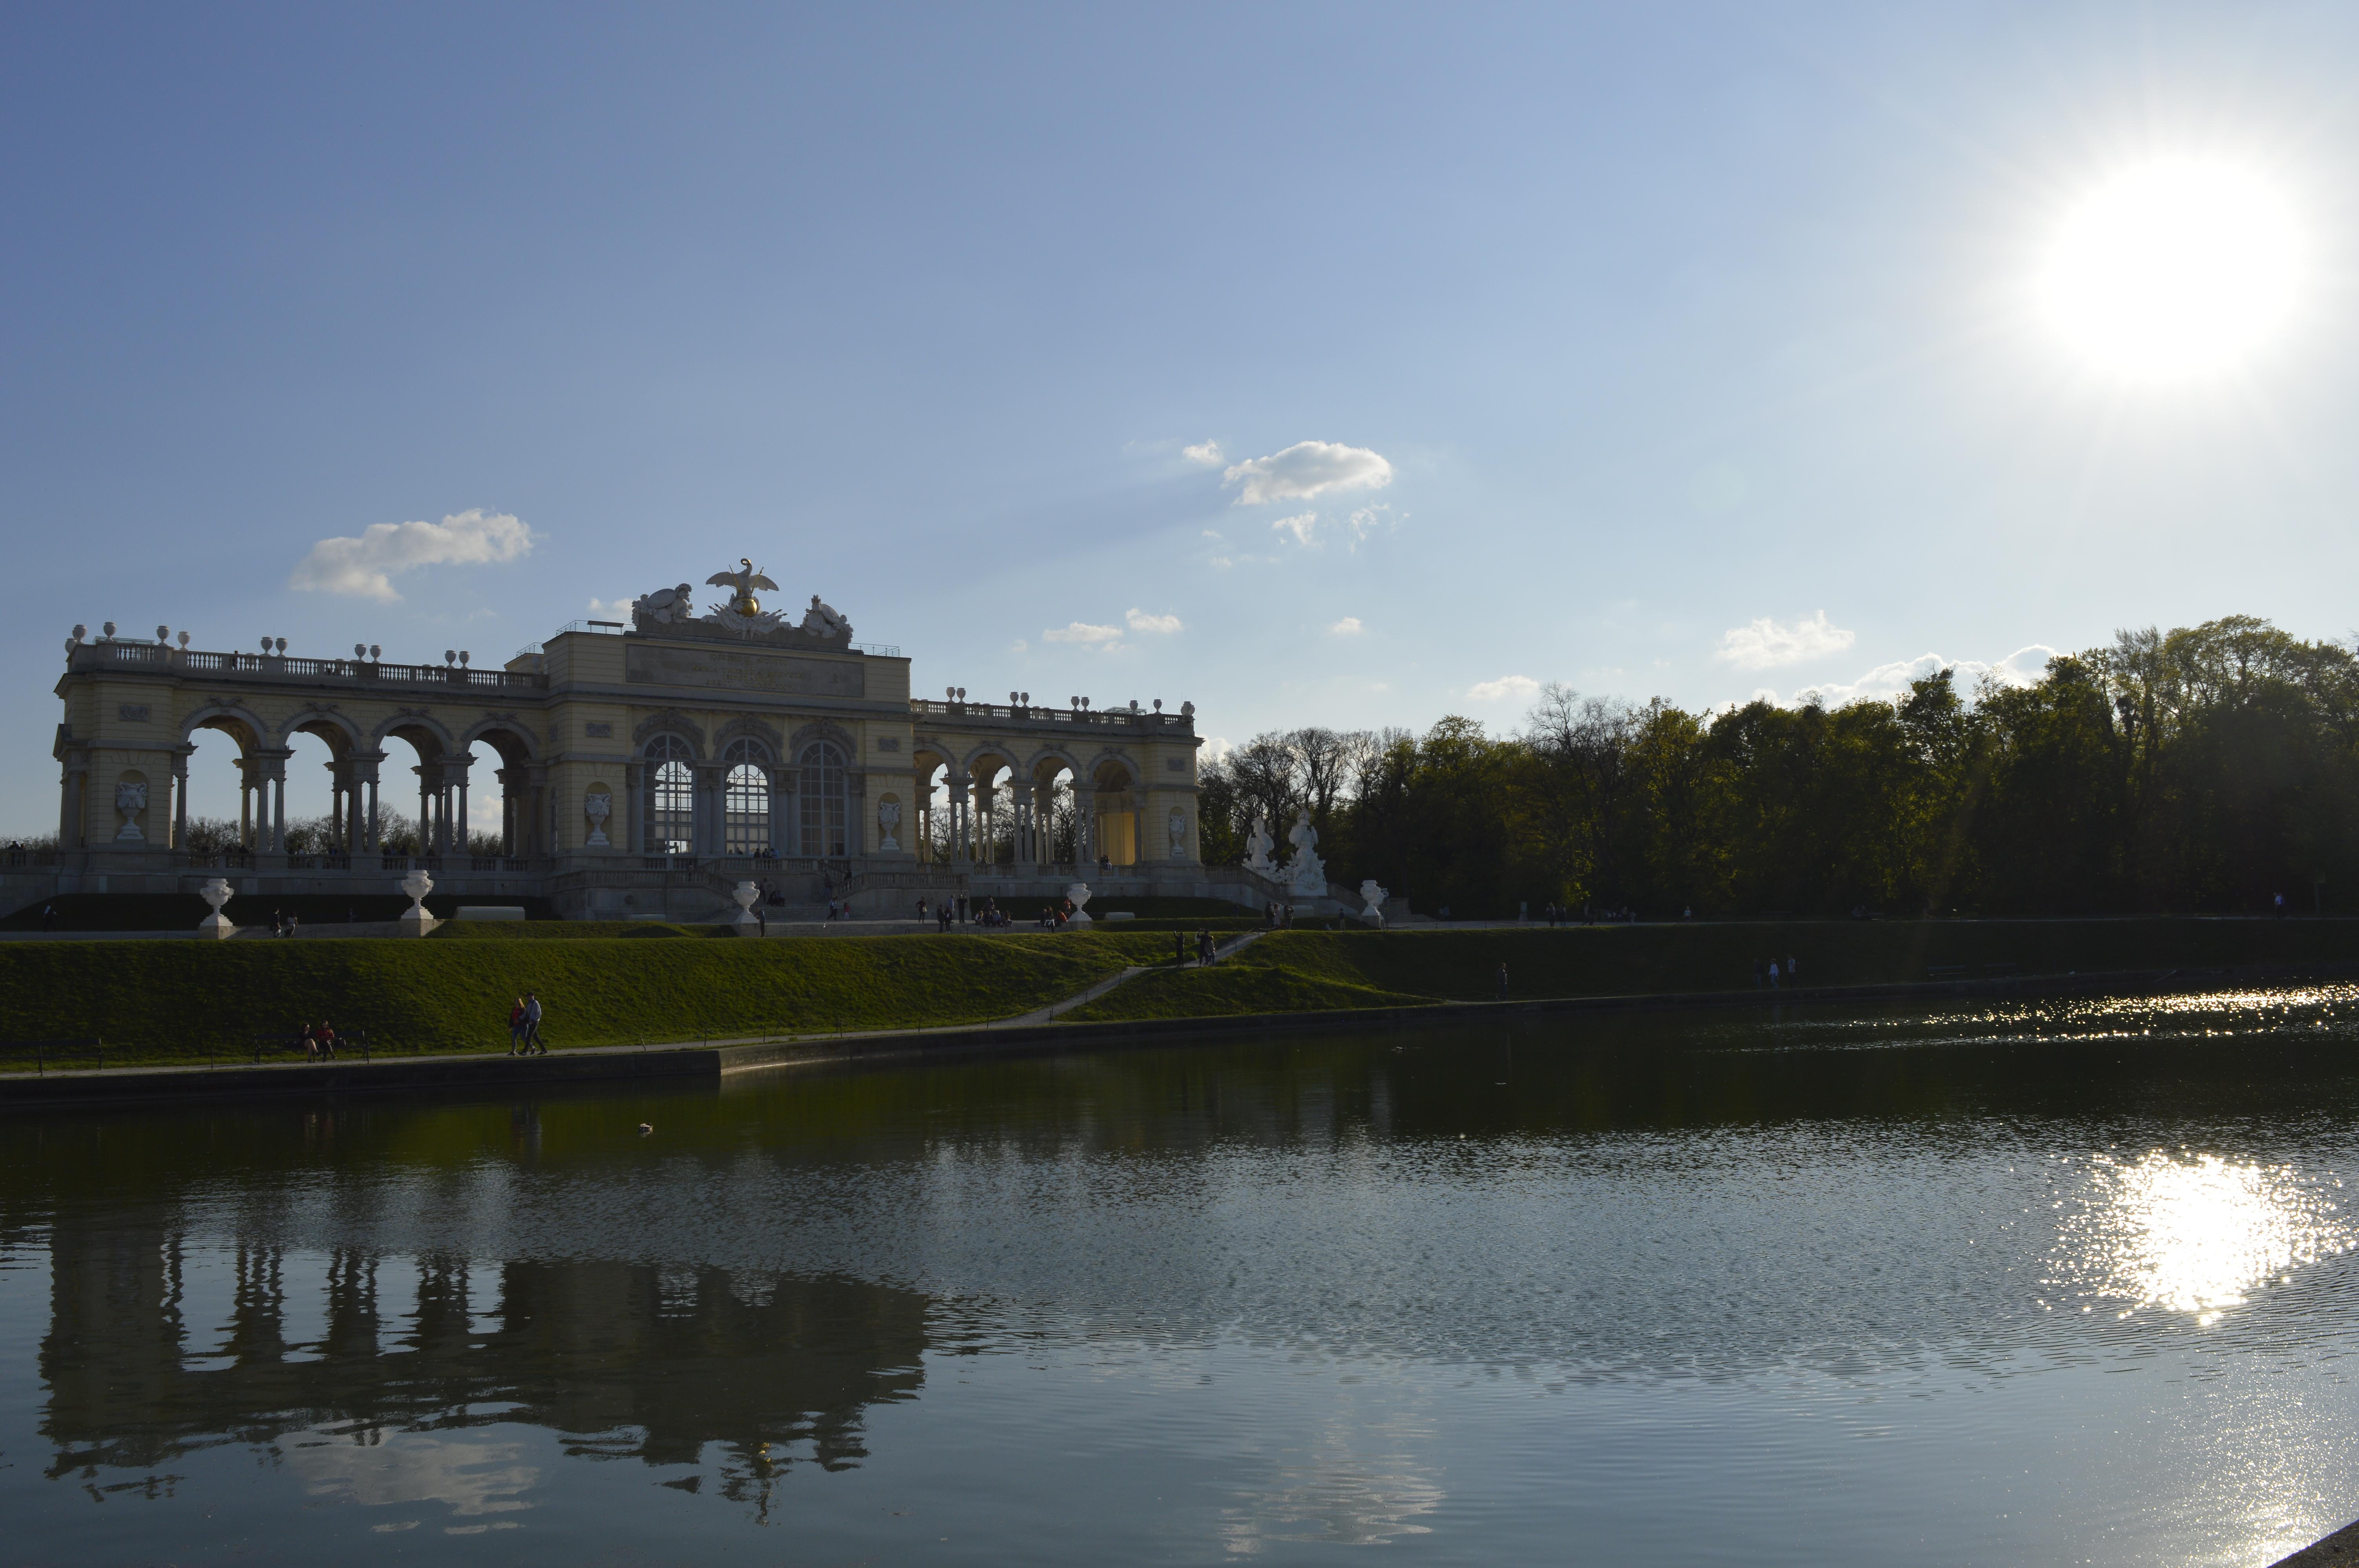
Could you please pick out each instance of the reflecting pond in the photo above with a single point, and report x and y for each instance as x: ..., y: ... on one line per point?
x: 2060, y: 1283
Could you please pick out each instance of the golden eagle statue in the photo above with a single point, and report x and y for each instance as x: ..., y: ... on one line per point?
x: 745, y: 580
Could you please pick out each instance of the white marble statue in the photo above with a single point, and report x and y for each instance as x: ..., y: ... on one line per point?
x: 822, y: 621
x: 1306, y: 873
x: 597, y: 807
x: 1257, y: 845
x: 1176, y: 823
x: 665, y: 606
x: 131, y: 799
x: 889, y: 823
x: 1374, y: 897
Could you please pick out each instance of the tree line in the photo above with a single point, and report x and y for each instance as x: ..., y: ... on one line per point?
x: 2211, y: 769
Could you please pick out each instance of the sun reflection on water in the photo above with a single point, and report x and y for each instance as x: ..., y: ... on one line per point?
x: 2195, y: 1234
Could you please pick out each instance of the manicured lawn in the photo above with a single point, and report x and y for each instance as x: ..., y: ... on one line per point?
x: 1296, y: 969
x: 172, y: 1001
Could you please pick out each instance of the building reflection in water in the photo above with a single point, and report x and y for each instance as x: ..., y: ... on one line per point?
x: 157, y: 1348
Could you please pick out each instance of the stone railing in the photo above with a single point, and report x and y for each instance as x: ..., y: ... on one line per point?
x: 1115, y: 717
x: 156, y: 657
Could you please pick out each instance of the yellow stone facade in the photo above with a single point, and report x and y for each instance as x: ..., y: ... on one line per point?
x: 674, y: 756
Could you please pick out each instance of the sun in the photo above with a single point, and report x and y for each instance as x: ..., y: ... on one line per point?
x: 2172, y: 271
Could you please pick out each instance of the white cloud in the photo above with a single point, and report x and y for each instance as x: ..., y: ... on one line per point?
x: 1018, y: 646
x: 366, y: 567
x: 1083, y: 632
x: 1208, y: 454
x: 2025, y: 666
x: 1347, y: 627
x: 1215, y: 749
x: 1222, y: 563
x: 1517, y: 688
x: 611, y: 609
x: 1302, y: 527
x: 1368, y: 520
x: 1765, y: 643
x: 1305, y: 470
x: 1142, y: 621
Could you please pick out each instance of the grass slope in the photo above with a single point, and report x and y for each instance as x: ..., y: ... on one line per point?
x: 172, y: 1001
x: 1292, y: 970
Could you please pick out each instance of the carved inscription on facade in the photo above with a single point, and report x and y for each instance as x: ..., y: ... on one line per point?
x: 645, y: 665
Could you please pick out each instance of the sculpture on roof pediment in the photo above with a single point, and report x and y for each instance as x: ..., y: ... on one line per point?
x: 671, y: 612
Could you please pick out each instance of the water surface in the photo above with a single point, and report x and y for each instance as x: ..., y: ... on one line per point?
x: 2058, y: 1283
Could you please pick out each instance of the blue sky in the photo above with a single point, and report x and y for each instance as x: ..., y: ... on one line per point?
x: 1538, y: 345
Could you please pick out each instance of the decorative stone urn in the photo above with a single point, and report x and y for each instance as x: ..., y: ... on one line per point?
x: 1374, y: 897
x: 1079, y: 894
x: 131, y: 799
x: 216, y: 892
x: 746, y: 894
x: 889, y: 823
x: 597, y: 809
x: 414, y: 921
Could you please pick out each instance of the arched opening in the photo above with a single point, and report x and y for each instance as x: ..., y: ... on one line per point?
x: 322, y: 821
x: 213, y: 816
x: 428, y: 835
x: 1113, y: 826
x: 932, y: 835
x: 668, y: 797
x: 748, y: 793
x: 998, y: 834
x: 819, y: 797
x: 1052, y: 810
x: 520, y: 827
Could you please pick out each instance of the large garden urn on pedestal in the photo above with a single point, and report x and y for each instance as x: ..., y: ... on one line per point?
x: 1078, y: 895
x: 216, y: 892
x: 746, y: 894
x: 414, y: 921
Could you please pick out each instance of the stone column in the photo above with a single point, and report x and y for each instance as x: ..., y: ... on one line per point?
x: 274, y: 787
x: 181, y: 800
x: 1085, y: 824
x: 364, y: 767
x: 1027, y: 828
x: 455, y: 774
x: 957, y: 820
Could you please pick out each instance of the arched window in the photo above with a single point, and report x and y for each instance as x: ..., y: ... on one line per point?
x: 670, y: 795
x: 745, y: 800
x: 821, y: 794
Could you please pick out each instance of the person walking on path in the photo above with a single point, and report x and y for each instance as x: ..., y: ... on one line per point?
x: 1178, y: 948
x: 516, y: 1027
x: 1503, y: 982
x: 761, y: 923
x: 310, y: 1042
x: 532, y: 1038
x: 1773, y: 974
x: 1791, y: 969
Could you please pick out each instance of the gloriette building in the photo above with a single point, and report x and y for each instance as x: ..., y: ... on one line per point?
x: 644, y: 769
